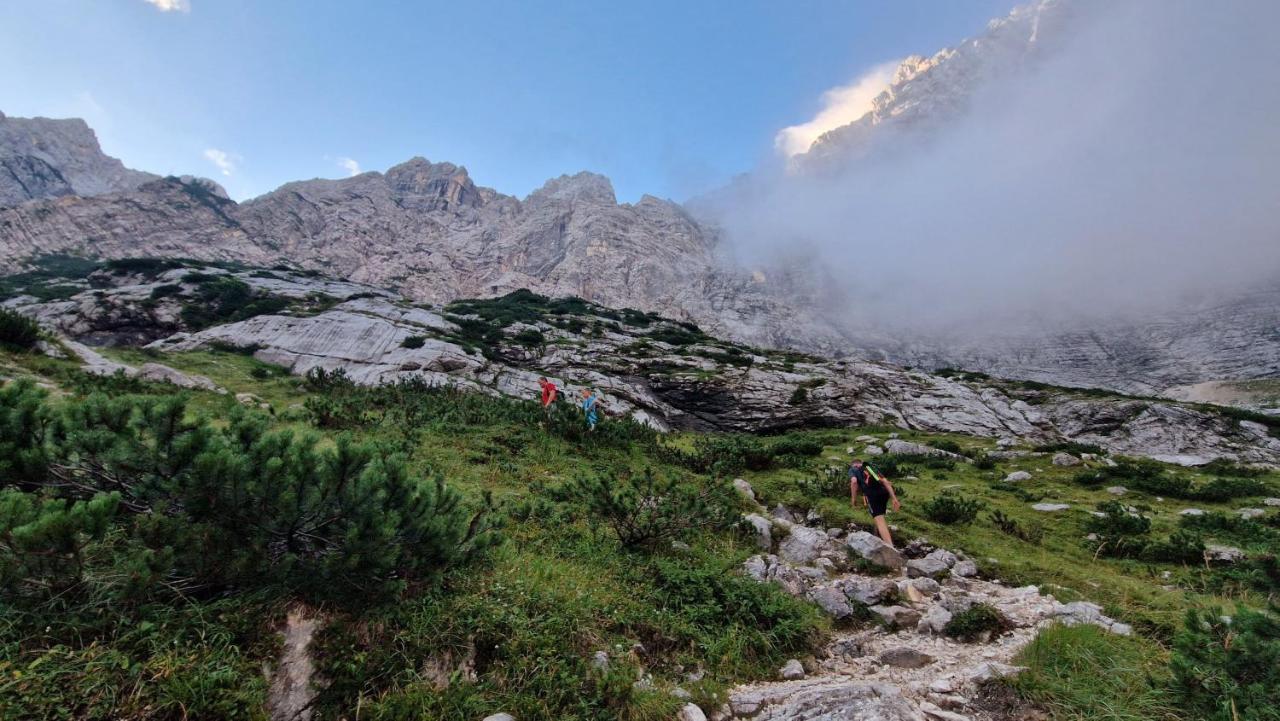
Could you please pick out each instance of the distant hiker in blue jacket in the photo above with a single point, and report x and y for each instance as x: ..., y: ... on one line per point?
x: 590, y: 406
x: 877, y: 492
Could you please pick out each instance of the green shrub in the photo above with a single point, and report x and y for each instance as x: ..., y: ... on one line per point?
x: 1225, y: 489
x: 1181, y: 546
x: 1119, y: 533
x: 413, y: 341
x: 1009, y: 526
x: 17, y: 330
x: 951, y: 508
x: 646, y: 511
x: 132, y: 495
x: 985, y: 463
x: 979, y: 622
x: 1228, y: 670
x: 166, y: 290
x: 1140, y: 474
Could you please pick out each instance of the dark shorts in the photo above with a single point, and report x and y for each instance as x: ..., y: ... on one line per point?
x: 878, y: 502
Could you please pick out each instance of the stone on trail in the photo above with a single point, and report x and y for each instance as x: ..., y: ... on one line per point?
x: 964, y: 569
x: 691, y: 712
x: 804, y: 544
x: 869, y: 591
x: 897, y: 616
x: 744, y: 488
x: 791, y: 670
x: 934, y: 564
x: 991, y: 670
x: 927, y: 586
x: 904, y: 657
x: 1050, y: 507
x: 934, y: 620
x: 762, y: 529
x: 1065, y: 459
x: 832, y: 600
x: 871, y: 548
x: 934, y: 712
x: 944, y: 684
x: 1017, y: 476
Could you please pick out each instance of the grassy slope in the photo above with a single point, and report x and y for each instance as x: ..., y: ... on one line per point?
x: 555, y: 594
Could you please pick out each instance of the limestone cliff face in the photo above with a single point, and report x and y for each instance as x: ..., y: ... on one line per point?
x: 648, y: 368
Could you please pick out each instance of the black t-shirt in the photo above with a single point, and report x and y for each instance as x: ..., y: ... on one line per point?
x: 866, y: 483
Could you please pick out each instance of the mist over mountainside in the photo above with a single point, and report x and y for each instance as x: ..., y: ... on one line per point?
x: 1032, y: 203
x: 1083, y: 194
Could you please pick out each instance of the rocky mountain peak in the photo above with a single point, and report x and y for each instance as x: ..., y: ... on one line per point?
x: 420, y: 183
x: 44, y: 158
x: 583, y: 186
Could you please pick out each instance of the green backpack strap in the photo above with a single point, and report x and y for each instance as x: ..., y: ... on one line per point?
x: 872, y: 473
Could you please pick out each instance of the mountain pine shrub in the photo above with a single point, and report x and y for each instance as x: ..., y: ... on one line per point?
x: 951, y: 508
x: 17, y: 330
x: 133, y: 495
x: 646, y: 511
x: 1228, y: 669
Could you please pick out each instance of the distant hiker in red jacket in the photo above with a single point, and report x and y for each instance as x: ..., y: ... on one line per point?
x: 549, y: 392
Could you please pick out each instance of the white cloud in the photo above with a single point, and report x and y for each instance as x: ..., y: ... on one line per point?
x: 165, y: 6
x: 225, y: 161
x: 349, y: 165
x: 840, y: 106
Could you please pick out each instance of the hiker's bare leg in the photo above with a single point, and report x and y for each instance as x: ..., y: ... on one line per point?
x: 883, y: 529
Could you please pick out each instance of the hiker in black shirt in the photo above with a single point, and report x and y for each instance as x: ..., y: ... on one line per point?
x: 878, y: 493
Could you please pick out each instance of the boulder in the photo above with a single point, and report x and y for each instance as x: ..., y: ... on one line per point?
x: 745, y: 489
x: 897, y: 616
x: 1006, y: 442
x: 756, y: 567
x: 791, y: 670
x: 992, y: 670
x: 1191, y: 512
x: 873, y: 451
x: 1271, y: 502
x: 873, y: 549
x: 1117, y: 490
x: 1050, y: 507
x: 935, y: 564
x: 893, y: 445
x: 934, y: 620
x: 866, y: 439
x: 782, y: 513
x: 927, y: 586
x: 600, y: 661
x: 832, y: 600
x: 1065, y: 459
x: 165, y: 374
x: 1250, y: 513
x: 761, y: 529
x: 500, y: 717
x: 904, y: 657
x: 932, y: 711
x: 1017, y: 476
x: 804, y: 544
x: 869, y: 591
x: 964, y: 569
x: 691, y: 712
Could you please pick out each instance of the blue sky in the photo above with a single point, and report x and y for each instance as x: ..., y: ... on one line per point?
x: 666, y: 98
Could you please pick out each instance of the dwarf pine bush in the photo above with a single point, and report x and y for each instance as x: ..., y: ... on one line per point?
x: 17, y: 330
x: 1228, y: 669
x: 131, y: 495
x: 645, y: 510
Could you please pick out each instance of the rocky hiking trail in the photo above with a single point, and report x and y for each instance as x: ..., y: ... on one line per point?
x: 901, y: 666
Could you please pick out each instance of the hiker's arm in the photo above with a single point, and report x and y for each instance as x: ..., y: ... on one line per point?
x: 892, y: 496
x: 853, y: 492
